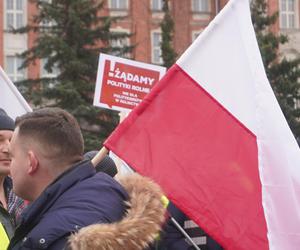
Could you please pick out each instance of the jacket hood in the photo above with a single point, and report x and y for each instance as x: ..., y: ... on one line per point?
x: 139, y: 227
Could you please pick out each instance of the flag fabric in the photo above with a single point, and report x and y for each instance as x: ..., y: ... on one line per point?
x: 10, y: 98
x: 212, y: 134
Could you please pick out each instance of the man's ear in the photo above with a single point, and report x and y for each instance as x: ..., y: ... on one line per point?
x: 33, y: 163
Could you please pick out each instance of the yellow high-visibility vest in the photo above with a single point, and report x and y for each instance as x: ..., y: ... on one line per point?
x: 4, y: 240
x: 165, y: 201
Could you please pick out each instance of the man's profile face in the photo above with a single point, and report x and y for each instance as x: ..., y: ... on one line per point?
x: 5, y: 137
x: 18, y: 165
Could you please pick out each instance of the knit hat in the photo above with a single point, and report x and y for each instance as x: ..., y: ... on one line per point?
x: 6, y: 123
x: 107, y: 165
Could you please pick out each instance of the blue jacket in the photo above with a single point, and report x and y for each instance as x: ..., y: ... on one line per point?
x: 78, y: 198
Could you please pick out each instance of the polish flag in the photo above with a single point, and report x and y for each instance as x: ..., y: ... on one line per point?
x: 10, y: 98
x: 212, y: 134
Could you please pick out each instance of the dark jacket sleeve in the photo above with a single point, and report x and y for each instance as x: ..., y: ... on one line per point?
x: 172, y: 238
x: 59, y: 244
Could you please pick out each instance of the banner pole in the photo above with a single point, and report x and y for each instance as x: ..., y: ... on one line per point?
x: 184, y: 233
x: 119, y: 163
x: 99, y: 156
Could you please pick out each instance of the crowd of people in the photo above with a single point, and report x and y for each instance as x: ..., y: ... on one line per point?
x: 53, y: 197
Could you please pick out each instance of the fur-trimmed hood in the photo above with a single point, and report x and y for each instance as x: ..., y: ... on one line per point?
x: 136, y: 230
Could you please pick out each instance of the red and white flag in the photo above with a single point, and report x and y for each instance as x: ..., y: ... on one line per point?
x: 212, y: 134
x: 10, y: 98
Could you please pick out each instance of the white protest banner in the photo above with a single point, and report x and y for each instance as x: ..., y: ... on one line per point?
x: 10, y: 98
x: 122, y: 83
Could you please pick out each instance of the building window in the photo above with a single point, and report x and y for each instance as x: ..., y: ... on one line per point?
x: 46, y: 24
x: 157, y: 5
x: 120, y: 42
x: 120, y: 45
x: 53, y: 73
x: 200, y: 5
x: 12, y: 66
x: 287, y: 14
x: 156, y: 48
x: 49, y: 74
x: 14, y: 14
x: 118, y: 4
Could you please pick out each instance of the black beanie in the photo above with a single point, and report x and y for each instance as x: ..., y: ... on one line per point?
x: 107, y: 165
x: 6, y: 123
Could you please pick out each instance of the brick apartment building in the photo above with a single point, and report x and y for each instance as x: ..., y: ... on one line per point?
x: 143, y: 19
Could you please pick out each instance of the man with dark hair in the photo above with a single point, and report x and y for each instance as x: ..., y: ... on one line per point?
x: 65, y: 192
x: 10, y: 205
